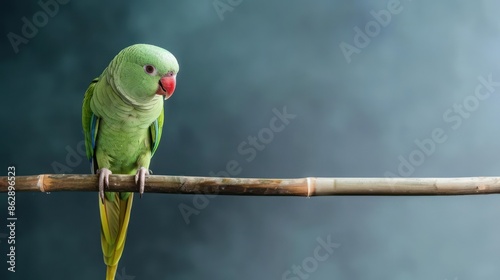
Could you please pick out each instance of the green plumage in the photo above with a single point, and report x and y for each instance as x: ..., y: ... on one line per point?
x: 122, y: 118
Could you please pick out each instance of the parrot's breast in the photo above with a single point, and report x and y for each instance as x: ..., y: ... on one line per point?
x: 122, y: 148
x: 123, y: 141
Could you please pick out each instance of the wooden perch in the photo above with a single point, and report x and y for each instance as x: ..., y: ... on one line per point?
x: 250, y: 186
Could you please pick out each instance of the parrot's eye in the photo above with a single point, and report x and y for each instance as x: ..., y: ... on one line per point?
x: 150, y: 69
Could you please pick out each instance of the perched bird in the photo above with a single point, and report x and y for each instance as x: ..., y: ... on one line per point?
x: 122, y: 118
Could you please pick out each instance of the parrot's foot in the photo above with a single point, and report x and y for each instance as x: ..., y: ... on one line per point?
x: 103, y: 181
x: 140, y: 179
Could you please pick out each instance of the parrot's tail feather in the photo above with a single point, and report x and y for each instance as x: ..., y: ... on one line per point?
x: 115, y: 215
x: 111, y: 272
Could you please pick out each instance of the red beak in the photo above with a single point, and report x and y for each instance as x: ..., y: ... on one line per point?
x: 166, y: 86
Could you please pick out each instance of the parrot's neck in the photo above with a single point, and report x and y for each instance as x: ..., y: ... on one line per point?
x: 120, y: 92
x: 113, y: 106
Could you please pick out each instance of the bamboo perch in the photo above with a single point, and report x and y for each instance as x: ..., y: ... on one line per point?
x: 252, y: 186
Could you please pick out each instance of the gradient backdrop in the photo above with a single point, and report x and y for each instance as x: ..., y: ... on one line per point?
x: 369, y: 84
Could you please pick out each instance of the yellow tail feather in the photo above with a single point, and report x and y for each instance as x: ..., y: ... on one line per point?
x: 115, y: 216
x: 111, y: 272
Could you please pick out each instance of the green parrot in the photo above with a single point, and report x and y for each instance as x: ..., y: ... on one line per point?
x: 122, y: 118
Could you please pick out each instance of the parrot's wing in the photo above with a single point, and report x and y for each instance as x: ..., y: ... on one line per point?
x: 90, y: 123
x: 156, y: 129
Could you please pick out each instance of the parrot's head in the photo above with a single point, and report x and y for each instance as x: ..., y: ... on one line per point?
x: 143, y: 72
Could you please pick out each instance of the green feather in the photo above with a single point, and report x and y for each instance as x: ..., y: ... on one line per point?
x: 156, y: 129
x: 87, y: 119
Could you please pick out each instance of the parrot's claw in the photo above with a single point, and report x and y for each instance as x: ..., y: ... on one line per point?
x: 103, y: 181
x: 140, y: 179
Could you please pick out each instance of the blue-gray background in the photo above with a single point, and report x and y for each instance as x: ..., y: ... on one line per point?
x: 353, y: 119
